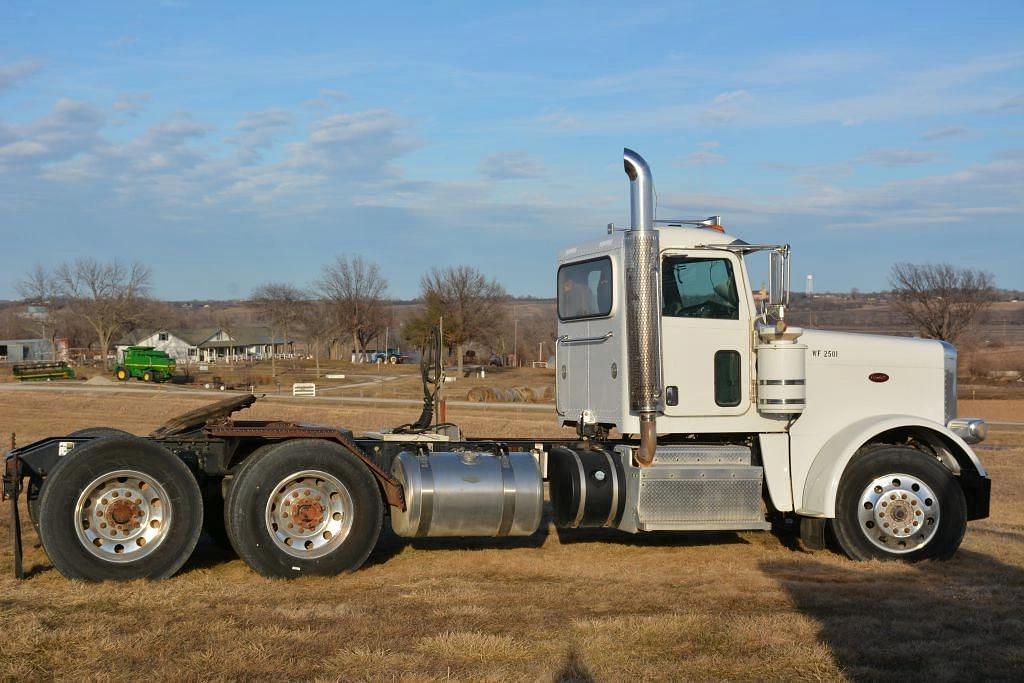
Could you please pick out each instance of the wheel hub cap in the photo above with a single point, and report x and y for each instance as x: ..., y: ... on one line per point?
x: 309, y: 514
x: 122, y: 516
x: 898, y: 513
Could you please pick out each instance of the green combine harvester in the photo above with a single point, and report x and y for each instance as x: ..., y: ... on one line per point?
x: 43, y: 371
x: 145, y: 363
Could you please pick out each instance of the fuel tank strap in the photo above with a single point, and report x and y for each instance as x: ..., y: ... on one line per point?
x: 508, y: 485
x: 426, y: 496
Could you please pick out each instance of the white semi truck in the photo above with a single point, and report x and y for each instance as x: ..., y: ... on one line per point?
x: 694, y: 410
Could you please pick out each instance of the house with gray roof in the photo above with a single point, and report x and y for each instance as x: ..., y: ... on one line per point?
x: 211, y: 344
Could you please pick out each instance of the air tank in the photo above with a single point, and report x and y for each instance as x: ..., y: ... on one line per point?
x: 781, y: 371
x: 468, y: 494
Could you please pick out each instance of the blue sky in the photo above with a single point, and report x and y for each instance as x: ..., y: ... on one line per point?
x: 232, y: 144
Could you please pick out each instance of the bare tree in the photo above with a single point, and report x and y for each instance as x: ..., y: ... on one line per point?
x: 279, y: 305
x: 39, y: 288
x: 470, y: 304
x: 941, y: 300
x: 110, y: 297
x: 317, y: 327
x: 353, y: 290
x: 537, y: 333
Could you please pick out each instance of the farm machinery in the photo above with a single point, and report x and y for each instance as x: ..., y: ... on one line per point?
x: 145, y: 363
x: 43, y: 371
x: 692, y: 410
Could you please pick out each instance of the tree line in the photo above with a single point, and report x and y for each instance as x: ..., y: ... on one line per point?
x: 347, y: 306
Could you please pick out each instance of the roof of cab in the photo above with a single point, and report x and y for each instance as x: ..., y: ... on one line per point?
x: 668, y: 237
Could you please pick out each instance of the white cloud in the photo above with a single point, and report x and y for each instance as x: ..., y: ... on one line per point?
x: 1015, y: 103
x: 944, y: 133
x: 990, y: 190
x: 703, y: 157
x: 509, y: 166
x: 11, y: 74
x: 897, y: 157
x: 726, y: 107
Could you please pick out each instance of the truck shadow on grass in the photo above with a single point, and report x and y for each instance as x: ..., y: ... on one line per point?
x: 651, y: 539
x: 959, y: 619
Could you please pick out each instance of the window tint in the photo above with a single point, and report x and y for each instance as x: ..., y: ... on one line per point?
x: 699, y: 288
x: 585, y: 289
x: 727, y: 378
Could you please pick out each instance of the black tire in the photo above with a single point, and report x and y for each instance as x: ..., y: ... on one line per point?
x: 934, y: 482
x: 35, y: 488
x: 122, y: 374
x: 181, y: 508
x: 246, y: 509
x: 147, y: 376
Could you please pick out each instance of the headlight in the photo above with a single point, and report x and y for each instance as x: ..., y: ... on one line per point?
x: 970, y: 429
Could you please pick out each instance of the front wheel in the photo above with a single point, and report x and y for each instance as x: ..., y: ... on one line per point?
x: 303, y: 507
x: 898, y: 503
x: 122, y: 374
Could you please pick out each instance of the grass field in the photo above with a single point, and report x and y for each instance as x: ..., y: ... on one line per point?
x: 558, y: 605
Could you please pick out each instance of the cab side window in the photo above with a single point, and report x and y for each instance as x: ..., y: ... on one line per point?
x: 585, y: 289
x: 699, y: 288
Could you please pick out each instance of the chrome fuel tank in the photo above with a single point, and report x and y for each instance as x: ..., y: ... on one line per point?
x: 468, y: 494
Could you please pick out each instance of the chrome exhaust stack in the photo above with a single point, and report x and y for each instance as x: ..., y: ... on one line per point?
x: 643, y: 314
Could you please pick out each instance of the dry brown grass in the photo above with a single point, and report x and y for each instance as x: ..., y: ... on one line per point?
x: 555, y: 606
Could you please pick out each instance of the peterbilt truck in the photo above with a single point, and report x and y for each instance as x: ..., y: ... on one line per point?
x: 688, y: 407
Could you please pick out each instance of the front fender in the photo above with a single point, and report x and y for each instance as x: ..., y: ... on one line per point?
x: 822, y: 482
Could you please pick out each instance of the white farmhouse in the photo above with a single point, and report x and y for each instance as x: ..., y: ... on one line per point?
x: 210, y: 344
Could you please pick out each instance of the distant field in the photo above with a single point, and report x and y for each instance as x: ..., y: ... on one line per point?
x: 558, y: 605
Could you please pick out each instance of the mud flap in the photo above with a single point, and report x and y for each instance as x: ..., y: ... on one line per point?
x: 812, y: 533
x: 11, y: 490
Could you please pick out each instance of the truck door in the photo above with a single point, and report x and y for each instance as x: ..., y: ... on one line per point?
x: 705, y: 334
x: 585, y: 338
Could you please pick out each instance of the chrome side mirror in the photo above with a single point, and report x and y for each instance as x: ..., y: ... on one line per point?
x: 778, y: 277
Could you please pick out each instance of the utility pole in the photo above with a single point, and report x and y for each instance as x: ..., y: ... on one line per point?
x: 515, y: 334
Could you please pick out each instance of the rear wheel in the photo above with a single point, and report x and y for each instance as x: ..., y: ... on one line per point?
x: 147, y: 376
x: 122, y: 374
x: 898, y: 503
x: 303, y: 507
x: 120, y: 508
x: 35, y: 486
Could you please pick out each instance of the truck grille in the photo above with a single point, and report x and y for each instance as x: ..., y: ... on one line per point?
x: 949, y: 369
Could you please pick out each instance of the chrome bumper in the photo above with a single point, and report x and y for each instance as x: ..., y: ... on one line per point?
x: 970, y: 429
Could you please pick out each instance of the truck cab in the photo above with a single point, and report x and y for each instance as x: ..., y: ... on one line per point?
x: 810, y: 405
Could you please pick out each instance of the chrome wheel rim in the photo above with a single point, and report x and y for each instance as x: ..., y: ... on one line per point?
x: 122, y: 516
x: 309, y: 514
x: 898, y: 513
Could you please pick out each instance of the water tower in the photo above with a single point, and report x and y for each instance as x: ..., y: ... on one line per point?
x: 809, y: 288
